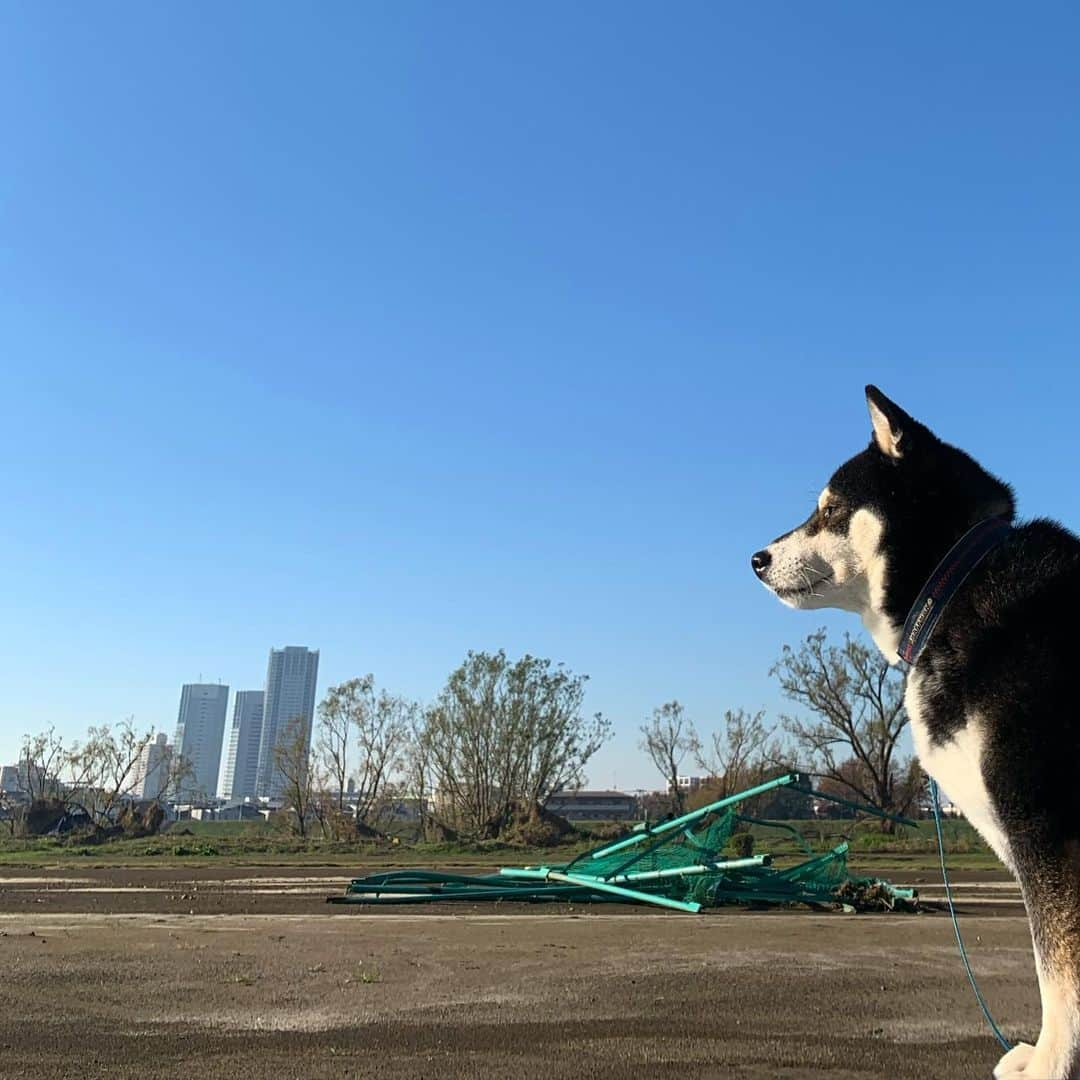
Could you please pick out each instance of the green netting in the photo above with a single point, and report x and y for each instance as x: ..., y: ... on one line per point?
x: 686, y: 847
x: 812, y: 881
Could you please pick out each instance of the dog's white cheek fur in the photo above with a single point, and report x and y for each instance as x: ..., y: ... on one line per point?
x: 800, y: 558
x: 796, y: 561
x: 855, y: 566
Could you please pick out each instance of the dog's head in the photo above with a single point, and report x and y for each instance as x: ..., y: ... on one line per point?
x: 883, y: 521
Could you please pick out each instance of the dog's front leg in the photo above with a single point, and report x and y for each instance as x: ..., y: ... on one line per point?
x: 1056, y: 1055
x: 1014, y: 1063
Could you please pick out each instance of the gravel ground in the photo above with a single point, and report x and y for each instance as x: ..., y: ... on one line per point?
x: 248, y: 973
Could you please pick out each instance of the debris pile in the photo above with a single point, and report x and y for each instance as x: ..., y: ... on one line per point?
x: 679, y: 864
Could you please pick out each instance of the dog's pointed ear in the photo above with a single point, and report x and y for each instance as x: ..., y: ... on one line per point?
x: 891, y: 424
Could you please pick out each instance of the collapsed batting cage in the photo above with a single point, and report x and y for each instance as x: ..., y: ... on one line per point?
x: 681, y: 863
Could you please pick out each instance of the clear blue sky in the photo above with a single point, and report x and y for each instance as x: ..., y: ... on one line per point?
x: 401, y: 329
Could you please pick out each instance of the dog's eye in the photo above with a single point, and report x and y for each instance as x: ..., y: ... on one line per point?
x: 826, y: 511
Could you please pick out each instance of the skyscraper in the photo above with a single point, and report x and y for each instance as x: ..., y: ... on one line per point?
x: 151, y: 774
x: 200, y: 729
x: 290, y: 699
x: 242, y: 756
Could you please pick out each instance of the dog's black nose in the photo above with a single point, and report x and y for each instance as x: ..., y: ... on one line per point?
x: 760, y: 561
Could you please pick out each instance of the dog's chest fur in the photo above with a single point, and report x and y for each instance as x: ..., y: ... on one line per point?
x: 956, y: 762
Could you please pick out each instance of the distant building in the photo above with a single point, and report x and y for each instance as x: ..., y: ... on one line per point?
x: 243, y: 811
x: 690, y: 783
x: 289, y: 699
x: 593, y: 805
x: 200, y: 729
x: 239, y: 779
x: 21, y: 779
x: 400, y: 808
x: 151, y: 773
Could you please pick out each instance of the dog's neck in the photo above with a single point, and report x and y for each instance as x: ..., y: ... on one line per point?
x: 885, y: 632
x: 885, y: 613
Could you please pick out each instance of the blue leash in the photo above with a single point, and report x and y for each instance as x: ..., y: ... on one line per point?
x: 956, y: 922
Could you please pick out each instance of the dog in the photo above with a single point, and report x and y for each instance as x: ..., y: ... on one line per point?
x: 992, y: 695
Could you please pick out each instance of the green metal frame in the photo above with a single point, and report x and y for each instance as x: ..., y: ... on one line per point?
x: 687, y: 870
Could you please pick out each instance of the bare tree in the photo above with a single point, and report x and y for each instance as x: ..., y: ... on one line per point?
x: 9, y: 811
x: 363, y: 734
x: 42, y: 758
x: 856, y: 704
x: 740, y: 754
x: 382, y: 723
x: 418, y: 770
x: 338, y: 712
x: 323, y: 807
x: 667, y: 738
x: 293, y: 760
x: 504, y: 735
x: 99, y: 778
x: 101, y: 771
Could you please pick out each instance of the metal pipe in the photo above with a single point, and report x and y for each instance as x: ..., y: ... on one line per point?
x: 629, y: 894
x: 700, y: 868
x: 695, y: 815
x: 864, y: 808
x: 540, y: 891
x: 649, y: 875
x: 598, y: 885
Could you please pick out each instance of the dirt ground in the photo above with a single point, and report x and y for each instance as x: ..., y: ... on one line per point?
x: 249, y: 973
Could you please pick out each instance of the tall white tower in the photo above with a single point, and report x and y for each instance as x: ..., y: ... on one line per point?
x: 289, y: 699
x: 200, y: 729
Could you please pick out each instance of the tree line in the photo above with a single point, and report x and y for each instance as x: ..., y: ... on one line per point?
x: 89, y: 785
x: 846, y: 734
x: 500, y: 738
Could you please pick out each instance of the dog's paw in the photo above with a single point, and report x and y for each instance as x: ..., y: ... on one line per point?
x: 1013, y: 1064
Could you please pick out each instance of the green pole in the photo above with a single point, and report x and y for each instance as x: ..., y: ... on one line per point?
x: 696, y: 815
x: 598, y: 885
x: 864, y: 808
x: 648, y: 875
x: 700, y: 868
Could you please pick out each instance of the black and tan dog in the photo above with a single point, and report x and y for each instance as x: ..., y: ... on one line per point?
x: 992, y: 693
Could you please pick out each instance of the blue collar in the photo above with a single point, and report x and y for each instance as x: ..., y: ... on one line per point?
x: 950, y: 574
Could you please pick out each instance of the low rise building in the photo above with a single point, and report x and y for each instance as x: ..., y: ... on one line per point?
x: 593, y: 805
x: 688, y: 784
x: 243, y: 811
x: 23, y: 779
